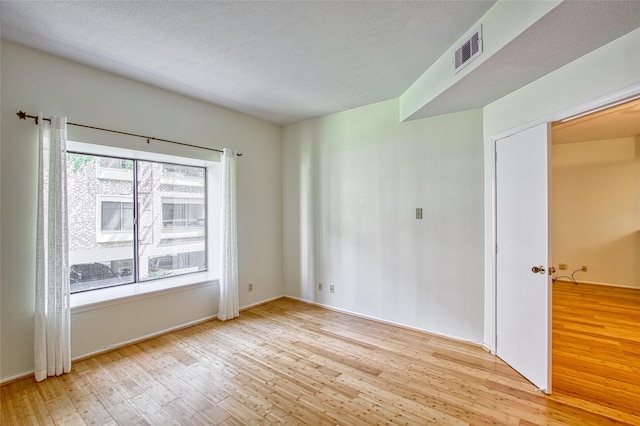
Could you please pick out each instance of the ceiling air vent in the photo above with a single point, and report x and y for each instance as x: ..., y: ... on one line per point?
x: 468, y: 50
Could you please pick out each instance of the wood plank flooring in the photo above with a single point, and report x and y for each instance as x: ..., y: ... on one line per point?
x: 288, y: 362
x: 596, y: 347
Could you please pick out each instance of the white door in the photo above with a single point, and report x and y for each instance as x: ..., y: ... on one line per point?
x: 523, y: 297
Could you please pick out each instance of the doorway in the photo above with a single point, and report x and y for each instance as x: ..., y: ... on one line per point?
x: 595, y: 201
x: 498, y: 339
x: 595, y: 235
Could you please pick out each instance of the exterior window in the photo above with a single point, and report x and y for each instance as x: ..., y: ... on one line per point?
x: 116, y: 163
x: 111, y: 242
x: 117, y: 216
x: 183, y: 171
x: 176, y: 215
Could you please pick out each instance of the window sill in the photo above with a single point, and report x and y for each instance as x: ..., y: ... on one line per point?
x: 101, y: 298
x: 114, y: 236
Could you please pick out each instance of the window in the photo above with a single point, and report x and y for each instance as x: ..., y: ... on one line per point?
x: 114, y: 213
x: 182, y: 171
x: 183, y: 215
x: 116, y: 216
x: 130, y: 224
x: 114, y: 169
x: 116, y: 163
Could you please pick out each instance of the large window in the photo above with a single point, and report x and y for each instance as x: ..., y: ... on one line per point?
x: 134, y: 220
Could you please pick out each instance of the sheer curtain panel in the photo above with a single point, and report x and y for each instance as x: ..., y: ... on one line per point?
x: 52, y: 314
x: 228, y: 307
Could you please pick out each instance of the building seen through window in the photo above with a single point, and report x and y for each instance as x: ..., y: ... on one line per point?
x: 113, y: 243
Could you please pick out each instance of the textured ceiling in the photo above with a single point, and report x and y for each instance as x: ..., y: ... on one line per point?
x: 286, y: 61
x: 280, y: 61
x: 621, y: 121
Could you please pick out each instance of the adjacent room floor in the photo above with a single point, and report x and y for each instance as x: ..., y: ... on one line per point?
x: 596, y: 348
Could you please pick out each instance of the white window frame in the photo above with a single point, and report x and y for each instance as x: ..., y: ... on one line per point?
x: 110, y: 295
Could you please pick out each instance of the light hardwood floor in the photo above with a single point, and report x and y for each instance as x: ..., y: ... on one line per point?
x: 288, y: 362
x: 596, y: 347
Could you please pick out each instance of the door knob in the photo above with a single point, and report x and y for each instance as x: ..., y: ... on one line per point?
x: 538, y: 270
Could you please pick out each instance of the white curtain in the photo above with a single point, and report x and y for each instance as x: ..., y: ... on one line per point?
x: 52, y: 327
x: 228, y: 307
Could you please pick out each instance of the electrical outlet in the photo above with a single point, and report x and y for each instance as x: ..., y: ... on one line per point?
x: 250, y: 286
x: 418, y: 213
x: 584, y: 268
x: 320, y: 286
x: 563, y: 266
x: 331, y: 288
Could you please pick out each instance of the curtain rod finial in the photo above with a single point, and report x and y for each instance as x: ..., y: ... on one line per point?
x: 22, y: 115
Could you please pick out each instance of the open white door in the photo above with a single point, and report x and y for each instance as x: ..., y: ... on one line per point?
x: 523, y: 297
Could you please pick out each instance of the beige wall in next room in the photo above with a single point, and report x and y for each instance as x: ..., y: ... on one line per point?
x: 596, y: 210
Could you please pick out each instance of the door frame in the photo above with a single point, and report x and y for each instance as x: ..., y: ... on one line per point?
x: 491, y: 258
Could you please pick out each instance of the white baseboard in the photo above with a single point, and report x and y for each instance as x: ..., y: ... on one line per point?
x: 16, y: 377
x: 110, y: 348
x: 604, y: 284
x: 27, y: 373
x: 142, y: 338
x: 253, y: 305
x: 397, y: 324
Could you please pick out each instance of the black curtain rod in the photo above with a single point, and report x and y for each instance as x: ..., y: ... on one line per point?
x: 23, y: 116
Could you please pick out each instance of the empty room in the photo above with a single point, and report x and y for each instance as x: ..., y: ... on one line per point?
x: 301, y: 212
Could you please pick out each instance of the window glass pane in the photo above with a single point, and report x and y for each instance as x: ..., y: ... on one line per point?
x: 111, y: 216
x: 100, y: 214
x: 182, y: 171
x: 116, y: 163
x: 178, y: 214
x: 172, y: 221
x: 127, y: 217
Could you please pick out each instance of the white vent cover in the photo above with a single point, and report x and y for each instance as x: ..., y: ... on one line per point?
x: 470, y: 49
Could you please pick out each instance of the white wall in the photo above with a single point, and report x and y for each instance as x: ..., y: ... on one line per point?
x: 33, y: 81
x: 606, y: 73
x: 596, y: 210
x: 352, y: 182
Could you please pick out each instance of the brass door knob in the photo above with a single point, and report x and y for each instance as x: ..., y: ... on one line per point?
x: 538, y: 270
